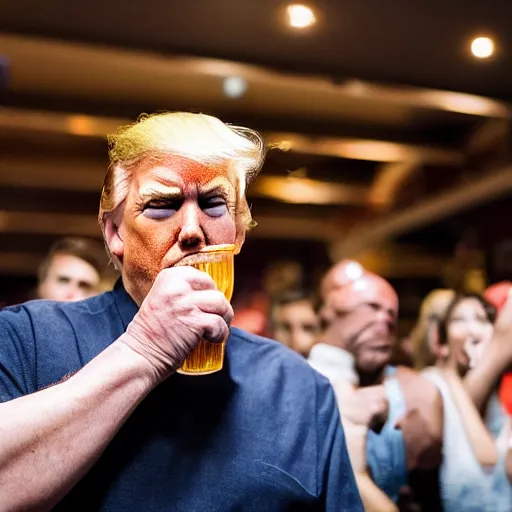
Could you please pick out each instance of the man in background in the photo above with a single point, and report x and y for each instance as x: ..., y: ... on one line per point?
x: 294, y: 322
x: 358, y: 314
x: 72, y: 270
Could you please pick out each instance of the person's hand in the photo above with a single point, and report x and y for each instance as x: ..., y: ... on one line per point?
x: 423, y: 451
x: 475, y: 351
x: 182, y: 307
x: 363, y: 406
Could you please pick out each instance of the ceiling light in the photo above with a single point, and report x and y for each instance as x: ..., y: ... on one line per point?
x: 234, y: 86
x: 482, y: 47
x: 300, y: 16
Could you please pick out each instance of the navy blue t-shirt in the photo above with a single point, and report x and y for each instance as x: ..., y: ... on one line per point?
x: 263, y: 434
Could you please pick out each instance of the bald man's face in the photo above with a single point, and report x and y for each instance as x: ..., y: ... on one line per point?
x: 362, y: 318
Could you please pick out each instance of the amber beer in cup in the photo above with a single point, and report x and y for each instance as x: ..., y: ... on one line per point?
x: 217, y: 261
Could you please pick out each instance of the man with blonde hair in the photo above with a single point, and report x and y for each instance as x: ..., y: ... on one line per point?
x: 93, y: 414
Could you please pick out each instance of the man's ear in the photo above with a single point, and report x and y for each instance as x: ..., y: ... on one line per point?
x: 113, y: 236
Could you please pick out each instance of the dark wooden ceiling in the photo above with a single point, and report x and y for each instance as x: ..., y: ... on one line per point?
x: 419, y: 42
x: 391, y: 126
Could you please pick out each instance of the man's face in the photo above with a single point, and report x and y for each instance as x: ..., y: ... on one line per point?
x: 364, y: 316
x: 69, y: 279
x: 173, y: 209
x: 296, y: 325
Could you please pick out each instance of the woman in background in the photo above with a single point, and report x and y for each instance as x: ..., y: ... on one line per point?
x: 473, y: 474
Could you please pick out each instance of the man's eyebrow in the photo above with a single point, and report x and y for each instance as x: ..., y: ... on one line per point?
x: 171, y: 194
x: 220, y: 186
x: 219, y: 190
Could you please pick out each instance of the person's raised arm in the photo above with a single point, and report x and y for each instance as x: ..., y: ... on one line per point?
x: 51, y: 438
x: 480, y: 381
x: 480, y: 440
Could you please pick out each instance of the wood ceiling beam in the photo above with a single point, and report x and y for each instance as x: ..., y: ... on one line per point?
x: 490, y: 134
x: 89, y: 71
x: 470, y: 194
x: 362, y: 149
x: 340, y: 147
x: 389, y: 180
x: 397, y: 261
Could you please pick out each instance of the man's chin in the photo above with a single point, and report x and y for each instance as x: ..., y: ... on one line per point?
x: 373, y: 362
x: 138, y: 286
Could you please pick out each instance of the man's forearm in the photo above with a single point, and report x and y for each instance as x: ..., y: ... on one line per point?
x: 50, y: 439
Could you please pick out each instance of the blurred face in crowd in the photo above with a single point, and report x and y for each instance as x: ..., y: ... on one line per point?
x: 172, y: 210
x: 69, y: 279
x: 361, y: 317
x: 469, y: 330
x: 296, y: 325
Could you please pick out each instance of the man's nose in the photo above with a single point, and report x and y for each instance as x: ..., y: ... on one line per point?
x: 191, y: 234
x: 386, y: 317
x: 73, y: 293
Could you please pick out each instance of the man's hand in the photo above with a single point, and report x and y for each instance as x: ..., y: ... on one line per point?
x: 182, y: 307
x: 364, y: 406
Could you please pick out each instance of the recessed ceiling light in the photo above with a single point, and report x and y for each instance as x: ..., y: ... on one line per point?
x: 234, y: 86
x: 482, y: 47
x: 300, y: 16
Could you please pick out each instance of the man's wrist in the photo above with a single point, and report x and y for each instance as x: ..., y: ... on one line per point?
x: 136, y: 363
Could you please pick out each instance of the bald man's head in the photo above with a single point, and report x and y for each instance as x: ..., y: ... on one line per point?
x: 359, y: 313
x: 341, y: 274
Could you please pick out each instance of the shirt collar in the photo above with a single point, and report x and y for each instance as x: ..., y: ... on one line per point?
x: 126, y: 306
x: 333, y: 362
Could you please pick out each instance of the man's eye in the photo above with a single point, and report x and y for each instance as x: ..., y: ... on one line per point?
x: 214, y: 207
x: 160, y: 211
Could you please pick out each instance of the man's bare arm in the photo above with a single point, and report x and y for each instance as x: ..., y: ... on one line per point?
x: 50, y: 439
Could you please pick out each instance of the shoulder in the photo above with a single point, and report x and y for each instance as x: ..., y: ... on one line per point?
x: 41, y: 341
x: 274, y: 374
x: 51, y: 315
x: 414, y: 384
x: 423, y: 395
x: 272, y: 359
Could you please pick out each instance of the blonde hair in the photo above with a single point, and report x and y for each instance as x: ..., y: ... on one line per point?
x: 432, y: 311
x: 199, y: 137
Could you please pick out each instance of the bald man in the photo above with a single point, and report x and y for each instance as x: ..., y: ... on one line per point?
x: 359, y: 313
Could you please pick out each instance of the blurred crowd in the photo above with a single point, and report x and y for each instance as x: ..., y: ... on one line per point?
x: 428, y: 431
